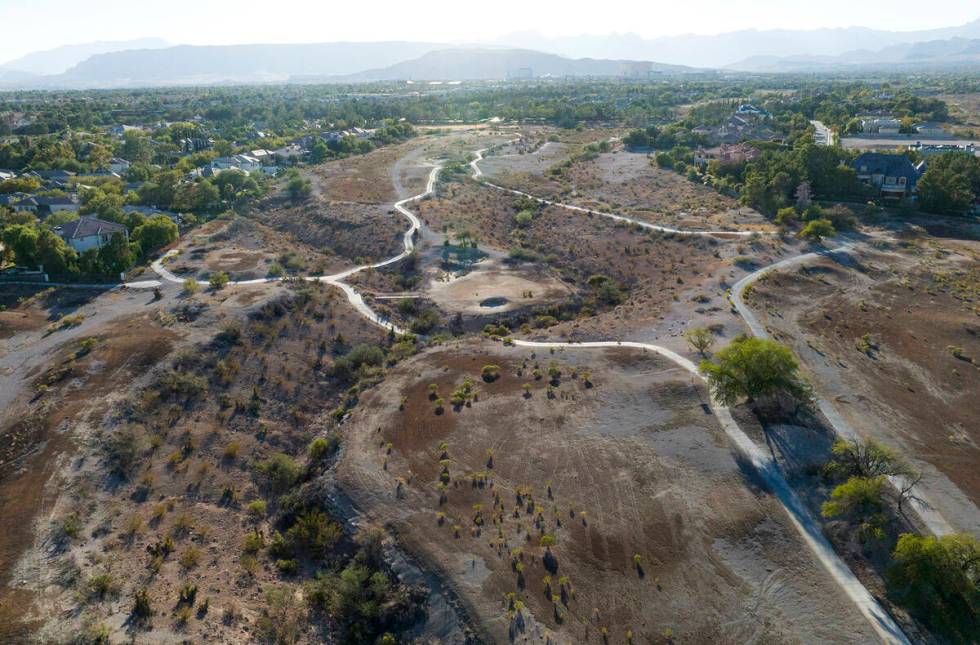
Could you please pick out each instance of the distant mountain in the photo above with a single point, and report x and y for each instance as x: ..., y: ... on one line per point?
x: 489, y: 64
x: 60, y: 59
x: 950, y: 53
x: 189, y: 64
x: 724, y: 49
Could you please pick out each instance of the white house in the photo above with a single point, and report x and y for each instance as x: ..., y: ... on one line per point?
x: 89, y: 232
x: 118, y: 165
x: 881, y: 125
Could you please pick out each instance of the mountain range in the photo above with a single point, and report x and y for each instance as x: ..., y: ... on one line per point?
x: 151, y: 62
x: 60, y: 59
x: 722, y: 50
x: 933, y: 54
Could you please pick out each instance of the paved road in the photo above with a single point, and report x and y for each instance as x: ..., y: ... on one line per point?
x: 920, y: 502
x: 823, y: 136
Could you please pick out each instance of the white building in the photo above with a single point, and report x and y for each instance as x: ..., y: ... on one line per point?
x: 88, y: 232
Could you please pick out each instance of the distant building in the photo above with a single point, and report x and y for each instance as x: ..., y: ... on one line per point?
x: 50, y: 205
x: 752, y: 112
x: 89, y: 232
x: 726, y: 154
x: 893, y: 175
x: 118, y: 165
x: 929, y: 129
x: 880, y: 125
x: 929, y: 149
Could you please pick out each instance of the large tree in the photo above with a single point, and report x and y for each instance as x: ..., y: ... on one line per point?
x: 760, y: 370
x: 950, y: 184
x: 20, y: 240
x: 156, y: 232
x: 937, y: 579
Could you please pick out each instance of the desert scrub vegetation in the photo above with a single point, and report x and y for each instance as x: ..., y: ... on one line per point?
x: 230, y: 425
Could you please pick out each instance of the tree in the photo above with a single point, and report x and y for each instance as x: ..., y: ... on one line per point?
x: 320, y: 152
x: 156, y: 232
x: 950, y: 184
x: 700, y: 339
x: 116, y: 256
x: 218, y: 280
x: 21, y: 241
x: 858, y: 496
x: 299, y: 188
x: 867, y: 458
x: 786, y: 217
x: 57, y: 257
x: 936, y: 578
x: 816, y: 230
x: 761, y: 370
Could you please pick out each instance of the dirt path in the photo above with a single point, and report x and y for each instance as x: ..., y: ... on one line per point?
x: 478, y: 175
x: 926, y: 510
x: 883, y: 624
x: 886, y: 628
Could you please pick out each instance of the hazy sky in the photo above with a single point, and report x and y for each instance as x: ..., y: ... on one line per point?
x: 31, y: 25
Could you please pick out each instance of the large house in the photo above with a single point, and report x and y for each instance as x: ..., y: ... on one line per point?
x: 726, y: 154
x: 49, y: 205
x: 880, y: 125
x: 893, y: 175
x: 89, y: 232
x: 738, y: 128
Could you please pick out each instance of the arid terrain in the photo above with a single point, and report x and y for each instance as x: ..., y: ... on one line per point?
x: 891, y: 334
x: 274, y: 460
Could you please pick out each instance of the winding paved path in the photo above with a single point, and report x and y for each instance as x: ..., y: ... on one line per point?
x: 809, y: 530
x: 920, y: 502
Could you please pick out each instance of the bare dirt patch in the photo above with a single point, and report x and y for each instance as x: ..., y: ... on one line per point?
x: 630, y: 466
x: 494, y: 288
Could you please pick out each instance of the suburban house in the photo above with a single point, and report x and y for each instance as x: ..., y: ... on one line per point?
x: 49, y: 205
x: 245, y: 163
x: 880, y: 125
x: 24, y: 204
x: 738, y: 128
x: 6, y: 174
x: 89, y: 232
x: 53, y: 175
x: 930, y: 129
x: 118, y: 165
x: 726, y: 154
x: 752, y: 112
x: 893, y: 175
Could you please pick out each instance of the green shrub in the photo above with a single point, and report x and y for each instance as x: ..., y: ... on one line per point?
x: 218, y: 280
x: 279, y: 472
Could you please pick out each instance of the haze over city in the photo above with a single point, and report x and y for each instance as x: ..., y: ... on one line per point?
x: 213, y: 22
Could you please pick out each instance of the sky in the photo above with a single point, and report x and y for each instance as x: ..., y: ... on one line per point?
x: 32, y: 25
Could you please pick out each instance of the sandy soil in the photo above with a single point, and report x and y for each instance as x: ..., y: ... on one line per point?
x: 636, y: 453
x: 494, y: 288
